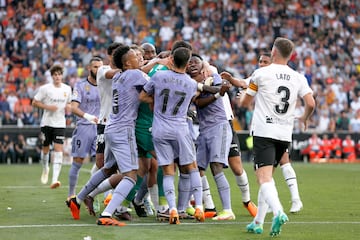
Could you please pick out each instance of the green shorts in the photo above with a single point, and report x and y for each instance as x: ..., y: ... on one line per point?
x: 144, y: 142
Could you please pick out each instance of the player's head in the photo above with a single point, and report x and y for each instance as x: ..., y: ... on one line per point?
x: 125, y: 58
x: 110, y: 50
x: 112, y: 47
x: 94, y: 64
x: 180, y: 43
x: 149, y: 51
x: 265, y: 59
x: 139, y: 53
x: 282, y: 48
x: 195, y: 65
x: 56, y: 69
x: 56, y: 72
x: 181, y: 57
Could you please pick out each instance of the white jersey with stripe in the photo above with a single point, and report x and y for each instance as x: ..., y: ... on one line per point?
x: 105, y: 92
x: 277, y: 88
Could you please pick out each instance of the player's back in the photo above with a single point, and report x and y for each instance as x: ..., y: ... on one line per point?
x: 278, y: 87
x: 173, y: 93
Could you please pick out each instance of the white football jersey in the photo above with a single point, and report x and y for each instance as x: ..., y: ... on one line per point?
x: 277, y: 88
x: 104, y: 86
x: 227, y: 107
x: 50, y: 95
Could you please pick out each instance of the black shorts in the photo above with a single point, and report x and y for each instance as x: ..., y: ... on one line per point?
x: 235, y: 144
x: 52, y: 135
x: 268, y: 151
x: 100, y: 141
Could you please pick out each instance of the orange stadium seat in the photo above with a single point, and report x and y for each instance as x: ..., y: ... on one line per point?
x: 26, y: 71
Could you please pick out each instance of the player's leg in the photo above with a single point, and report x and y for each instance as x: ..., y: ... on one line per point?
x: 237, y: 168
x: 268, y: 154
x: 219, y: 139
x: 184, y: 192
x: 290, y: 179
x: 59, y: 136
x: 83, y: 144
x: 153, y: 196
x: 122, y: 146
x: 45, y: 154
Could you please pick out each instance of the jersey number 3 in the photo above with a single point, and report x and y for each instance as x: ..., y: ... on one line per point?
x: 283, y: 107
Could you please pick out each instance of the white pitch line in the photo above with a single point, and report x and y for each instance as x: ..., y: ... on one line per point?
x: 160, y: 224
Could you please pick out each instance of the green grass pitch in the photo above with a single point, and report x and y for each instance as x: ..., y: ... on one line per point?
x: 330, y: 193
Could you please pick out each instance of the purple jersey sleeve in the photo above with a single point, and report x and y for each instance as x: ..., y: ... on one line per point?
x: 87, y: 95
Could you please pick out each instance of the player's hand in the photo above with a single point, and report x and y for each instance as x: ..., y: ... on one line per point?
x: 209, y: 81
x: 224, y: 87
x: 225, y: 75
x: 304, y: 121
x: 91, y: 118
x: 208, y: 70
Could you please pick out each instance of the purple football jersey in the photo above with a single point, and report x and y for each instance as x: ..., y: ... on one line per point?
x: 173, y: 93
x: 87, y: 95
x: 214, y: 113
x: 126, y: 87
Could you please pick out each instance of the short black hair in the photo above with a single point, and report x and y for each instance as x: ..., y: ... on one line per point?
x: 196, y: 55
x: 180, y: 43
x: 118, y: 55
x: 181, y: 57
x: 267, y: 54
x: 112, y: 47
x: 96, y: 58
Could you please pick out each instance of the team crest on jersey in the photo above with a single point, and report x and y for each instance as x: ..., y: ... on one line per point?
x: 87, y: 88
x: 269, y: 119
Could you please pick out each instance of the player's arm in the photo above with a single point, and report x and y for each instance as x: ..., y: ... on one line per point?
x: 147, y: 67
x: 145, y: 97
x: 203, y: 102
x: 44, y: 106
x: 309, y: 109
x: 111, y: 72
x: 208, y: 87
x: 240, y: 83
x: 78, y: 112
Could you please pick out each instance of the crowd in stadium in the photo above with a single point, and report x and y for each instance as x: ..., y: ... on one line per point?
x: 34, y: 35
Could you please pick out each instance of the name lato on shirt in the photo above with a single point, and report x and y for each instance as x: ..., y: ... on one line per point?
x: 283, y: 76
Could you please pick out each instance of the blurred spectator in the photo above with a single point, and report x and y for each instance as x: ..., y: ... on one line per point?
x: 348, y: 148
x: 326, y: 146
x: 8, y: 119
x: 324, y: 121
x: 313, y: 149
x: 336, y: 143
x: 4, y: 105
x: 354, y: 125
x: 7, y: 150
x: 343, y: 122
x: 21, y: 151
